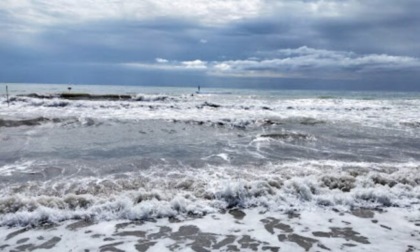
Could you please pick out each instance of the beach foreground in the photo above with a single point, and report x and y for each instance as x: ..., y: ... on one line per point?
x: 234, y: 230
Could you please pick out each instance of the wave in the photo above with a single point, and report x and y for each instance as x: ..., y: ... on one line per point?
x: 160, y: 193
x: 256, y: 123
x: 28, y: 122
x: 308, y: 112
x: 64, y: 122
x: 213, y: 102
x: 96, y: 97
x: 241, y: 124
x: 411, y: 124
x: 154, y: 98
x: 208, y: 104
x: 289, y: 136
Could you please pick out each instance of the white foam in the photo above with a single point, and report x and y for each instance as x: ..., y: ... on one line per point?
x: 156, y: 193
x: 9, y: 169
x: 393, y: 230
x: 384, y: 114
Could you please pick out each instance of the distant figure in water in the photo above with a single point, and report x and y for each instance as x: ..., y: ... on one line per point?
x: 69, y: 88
x: 198, y: 89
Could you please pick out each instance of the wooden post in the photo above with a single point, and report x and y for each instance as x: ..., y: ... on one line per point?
x: 7, y: 95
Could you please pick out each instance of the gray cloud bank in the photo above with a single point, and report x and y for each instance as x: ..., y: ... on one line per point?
x: 301, y: 62
x: 349, y: 44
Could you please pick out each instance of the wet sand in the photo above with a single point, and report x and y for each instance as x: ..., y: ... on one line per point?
x: 233, y: 230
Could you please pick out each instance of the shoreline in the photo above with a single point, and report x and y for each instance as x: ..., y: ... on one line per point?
x: 233, y: 230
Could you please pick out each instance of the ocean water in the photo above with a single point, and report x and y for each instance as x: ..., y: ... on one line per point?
x: 236, y: 169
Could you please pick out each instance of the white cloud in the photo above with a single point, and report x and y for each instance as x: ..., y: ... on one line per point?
x: 164, y: 64
x: 222, y: 67
x: 307, y: 62
x: 302, y: 62
x: 195, y: 64
x: 160, y: 60
x: 46, y: 12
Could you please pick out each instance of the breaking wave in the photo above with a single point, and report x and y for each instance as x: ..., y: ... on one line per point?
x: 307, y: 112
x: 166, y: 193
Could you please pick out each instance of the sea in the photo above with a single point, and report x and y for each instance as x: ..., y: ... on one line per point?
x: 133, y: 168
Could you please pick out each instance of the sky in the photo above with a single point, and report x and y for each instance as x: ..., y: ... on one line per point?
x: 293, y: 44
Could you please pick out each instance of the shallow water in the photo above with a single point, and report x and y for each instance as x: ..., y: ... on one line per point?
x: 169, y: 152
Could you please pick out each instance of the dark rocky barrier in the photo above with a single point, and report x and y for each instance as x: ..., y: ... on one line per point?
x: 81, y: 96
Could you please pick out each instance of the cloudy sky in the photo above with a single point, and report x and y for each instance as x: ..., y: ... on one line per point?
x: 333, y: 44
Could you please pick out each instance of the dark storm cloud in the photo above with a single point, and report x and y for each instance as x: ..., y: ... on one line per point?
x: 269, y: 42
x: 374, y: 30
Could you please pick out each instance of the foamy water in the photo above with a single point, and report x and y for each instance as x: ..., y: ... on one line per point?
x: 171, y: 153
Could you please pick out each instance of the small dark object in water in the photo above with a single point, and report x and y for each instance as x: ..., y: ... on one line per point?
x: 7, y: 95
